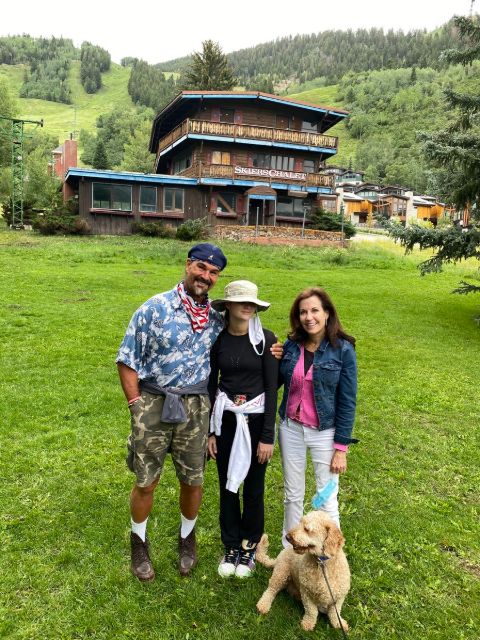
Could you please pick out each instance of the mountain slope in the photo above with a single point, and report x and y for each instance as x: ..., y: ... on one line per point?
x: 62, y: 119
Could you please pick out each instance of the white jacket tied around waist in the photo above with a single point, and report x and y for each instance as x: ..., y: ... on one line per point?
x: 241, y: 453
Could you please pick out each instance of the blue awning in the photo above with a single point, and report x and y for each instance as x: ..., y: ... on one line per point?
x: 256, y: 196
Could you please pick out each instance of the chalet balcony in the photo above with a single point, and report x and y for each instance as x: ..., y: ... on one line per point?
x: 247, y: 132
x: 200, y: 170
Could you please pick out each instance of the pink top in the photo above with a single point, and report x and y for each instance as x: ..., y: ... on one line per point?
x: 301, y: 399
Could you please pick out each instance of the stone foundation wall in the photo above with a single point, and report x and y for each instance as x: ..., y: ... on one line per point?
x: 279, y: 235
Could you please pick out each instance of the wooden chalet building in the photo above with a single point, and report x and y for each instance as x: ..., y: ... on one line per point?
x: 235, y: 158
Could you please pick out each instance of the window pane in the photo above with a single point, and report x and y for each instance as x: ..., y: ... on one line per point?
x: 148, y: 199
x: 309, y: 166
x: 284, y: 206
x: 261, y: 160
x: 168, y: 199
x: 179, y: 200
x: 309, y: 126
x: 101, y: 196
x: 225, y: 157
x: 229, y: 198
x: 121, y: 197
x: 216, y: 157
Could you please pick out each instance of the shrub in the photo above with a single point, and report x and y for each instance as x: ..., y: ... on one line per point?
x: 193, y: 230
x: 327, y: 221
x: 153, y: 229
x: 54, y: 224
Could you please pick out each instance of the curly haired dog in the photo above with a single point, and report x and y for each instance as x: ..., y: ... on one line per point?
x: 298, y: 570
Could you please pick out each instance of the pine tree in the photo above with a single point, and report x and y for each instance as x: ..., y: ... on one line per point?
x: 100, y: 159
x: 210, y: 70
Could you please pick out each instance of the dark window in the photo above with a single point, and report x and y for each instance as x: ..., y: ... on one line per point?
x: 261, y: 160
x: 182, y: 163
x: 112, y: 196
x: 309, y: 166
x: 228, y: 198
x: 293, y: 207
x: 148, y: 199
x: 227, y: 115
x: 307, y: 125
x: 173, y: 200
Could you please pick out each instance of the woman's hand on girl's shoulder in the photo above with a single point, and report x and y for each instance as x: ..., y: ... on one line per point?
x: 277, y: 349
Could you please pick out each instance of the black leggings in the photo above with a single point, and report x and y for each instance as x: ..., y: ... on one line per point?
x: 236, y: 525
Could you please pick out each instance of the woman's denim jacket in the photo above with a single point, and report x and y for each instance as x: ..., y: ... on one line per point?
x: 334, y: 385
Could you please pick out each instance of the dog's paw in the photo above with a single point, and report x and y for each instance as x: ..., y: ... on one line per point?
x: 337, y: 624
x: 307, y: 624
x: 263, y: 607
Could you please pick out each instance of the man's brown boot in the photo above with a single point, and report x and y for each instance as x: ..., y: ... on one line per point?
x: 187, y: 553
x: 141, y: 566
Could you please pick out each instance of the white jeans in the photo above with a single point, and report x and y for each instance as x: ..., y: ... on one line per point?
x: 295, y: 440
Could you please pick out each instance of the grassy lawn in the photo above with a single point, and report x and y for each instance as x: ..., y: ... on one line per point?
x: 409, y: 501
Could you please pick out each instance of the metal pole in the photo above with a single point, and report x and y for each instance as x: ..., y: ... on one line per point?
x: 342, y: 209
x: 303, y: 221
x: 256, y: 223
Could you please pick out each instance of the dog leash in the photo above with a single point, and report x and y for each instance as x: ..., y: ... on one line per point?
x: 321, y: 562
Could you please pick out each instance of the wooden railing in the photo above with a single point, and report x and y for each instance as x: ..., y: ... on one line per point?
x: 247, y: 131
x: 201, y: 170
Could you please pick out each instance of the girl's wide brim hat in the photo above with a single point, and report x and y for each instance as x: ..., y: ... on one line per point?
x: 240, y: 291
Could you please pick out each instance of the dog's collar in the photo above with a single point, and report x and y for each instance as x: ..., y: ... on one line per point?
x: 322, y: 559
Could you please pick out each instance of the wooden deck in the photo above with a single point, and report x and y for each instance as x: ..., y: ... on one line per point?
x: 248, y: 132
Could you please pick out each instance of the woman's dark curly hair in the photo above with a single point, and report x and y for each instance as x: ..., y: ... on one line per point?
x: 333, y: 328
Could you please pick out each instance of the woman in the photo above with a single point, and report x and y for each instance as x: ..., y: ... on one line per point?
x: 319, y: 371
x: 243, y: 422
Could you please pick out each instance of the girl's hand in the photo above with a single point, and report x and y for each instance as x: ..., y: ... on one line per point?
x: 212, y: 447
x: 264, y: 452
x: 339, y: 462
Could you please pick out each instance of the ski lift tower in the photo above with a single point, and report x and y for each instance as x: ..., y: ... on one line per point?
x: 17, y: 136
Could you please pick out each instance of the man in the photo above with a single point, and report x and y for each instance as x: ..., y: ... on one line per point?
x: 163, y: 363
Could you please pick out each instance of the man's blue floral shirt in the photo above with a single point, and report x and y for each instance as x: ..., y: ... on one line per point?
x: 161, y: 346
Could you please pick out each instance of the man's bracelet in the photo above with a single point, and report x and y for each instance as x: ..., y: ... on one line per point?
x: 132, y: 400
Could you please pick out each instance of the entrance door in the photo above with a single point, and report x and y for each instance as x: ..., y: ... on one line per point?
x: 256, y: 206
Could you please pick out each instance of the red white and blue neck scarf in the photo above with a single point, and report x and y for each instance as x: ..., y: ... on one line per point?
x: 198, y: 313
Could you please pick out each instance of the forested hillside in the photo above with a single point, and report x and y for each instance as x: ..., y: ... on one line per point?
x: 330, y: 54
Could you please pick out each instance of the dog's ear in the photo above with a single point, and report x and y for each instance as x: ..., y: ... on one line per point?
x: 334, y: 540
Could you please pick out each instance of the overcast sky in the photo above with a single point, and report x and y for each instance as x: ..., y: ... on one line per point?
x: 160, y: 30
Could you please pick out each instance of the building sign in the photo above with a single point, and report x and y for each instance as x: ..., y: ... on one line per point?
x: 269, y: 173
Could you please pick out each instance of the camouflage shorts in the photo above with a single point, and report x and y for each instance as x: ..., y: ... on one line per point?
x: 151, y: 439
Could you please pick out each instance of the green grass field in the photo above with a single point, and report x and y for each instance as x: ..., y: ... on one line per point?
x: 409, y: 501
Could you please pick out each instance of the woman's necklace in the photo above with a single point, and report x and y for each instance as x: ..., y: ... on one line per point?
x: 311, y: 346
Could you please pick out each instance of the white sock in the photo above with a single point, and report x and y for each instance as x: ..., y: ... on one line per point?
x: 187, y: 526
x: 140, y: 528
